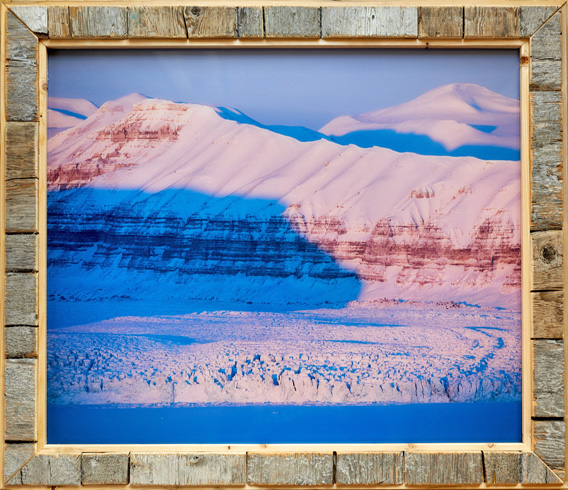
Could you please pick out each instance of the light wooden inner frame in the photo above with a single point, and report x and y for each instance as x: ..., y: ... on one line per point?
x: 29, y: 29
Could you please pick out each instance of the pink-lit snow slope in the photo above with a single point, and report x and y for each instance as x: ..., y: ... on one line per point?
x: 412, y: 226
x: 448, y: 115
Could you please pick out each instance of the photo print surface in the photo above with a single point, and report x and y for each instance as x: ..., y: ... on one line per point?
x: 284, y: 246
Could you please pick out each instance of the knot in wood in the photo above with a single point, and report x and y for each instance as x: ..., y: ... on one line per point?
x: 195, y: 10
x: 548, y: 254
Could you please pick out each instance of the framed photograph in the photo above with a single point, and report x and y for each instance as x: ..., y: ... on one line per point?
x: 299, y: 251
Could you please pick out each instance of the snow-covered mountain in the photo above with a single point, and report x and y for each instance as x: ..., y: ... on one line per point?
x: 64, y: 113
x: 456, y: 116
x: 147, y: 192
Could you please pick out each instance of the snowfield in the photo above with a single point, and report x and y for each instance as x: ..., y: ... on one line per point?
x: 383, y: 353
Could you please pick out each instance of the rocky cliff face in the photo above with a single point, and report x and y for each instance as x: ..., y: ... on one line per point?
x: 175, y: 190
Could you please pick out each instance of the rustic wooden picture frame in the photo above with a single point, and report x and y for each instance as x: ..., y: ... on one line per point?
x: 29, y: 28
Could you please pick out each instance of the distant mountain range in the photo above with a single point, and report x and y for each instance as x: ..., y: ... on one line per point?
x: 195, y: 196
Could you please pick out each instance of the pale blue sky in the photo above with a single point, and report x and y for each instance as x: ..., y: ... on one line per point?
x: 292, y: 87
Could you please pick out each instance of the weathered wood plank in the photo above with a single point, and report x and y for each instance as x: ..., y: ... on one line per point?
x: 548, y: 315
x: 21, y: 206
x: 547, y: 260
x: 98, y: 22
x: 20, y: 397
x: 104, y: 469
x: 549, y: 442
x: 383, y: 468
x: 21, y: 342
x: 358, y: 21
x: 440, y: 22
x: 211, y: 22
x: 187, y: 469
x: 492, y: 22
x: 21, y: 150
x: 546, y: 75
x: 502, y: 468
x: 34, y: 17
x: 292, y: 22
x: 250, y: 23
x: 58, y: 22
x: 548, y: 378
x: 297, y: 469
x: 546, y: 44
x: 156, y: 22
x: 52, y: 469
x: 21, y: 253
x: 463, y: 468
x: 21, y: 44
x: 21, y: 91
x: 532, y: 18
x: 534, y: 471
x: 546, y: 157
x: 21, y: 299
x: 15, y: 456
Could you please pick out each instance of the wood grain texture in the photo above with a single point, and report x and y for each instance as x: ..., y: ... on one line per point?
x: 156, y: 22
x: 502, y: 468
x: 546, y: 75
x: 534, y: 471
x: 211, y: 22
x: 250, y: 23
x: 492, y: 22
x: 548, y: 380
x: 440, y: 22
x: 296, y: 469
x: 58, y: 22
x: 292, y: 22
x: 21, y: 91
x: 532, y: 18
x: 20, y: 342
x: 34, y: 17
x: 21, y: 44
x: 546, y: 159
x: 546, y: 44
x: 104, y: 469
x: 21, y: 299
x: 188, y: 469
x: 549, y: 443
x: 383, y: 468
x: 460, y: 468
x: 98, y: 22
x: 21, y: 206
x: 548, y: 315
x: 21, y: 253
x: 547, y: 260
x: 21, y: 150
x: 15, y: 456
x: 20, y: 399
x: 363, y: 22
x: 53, y: 470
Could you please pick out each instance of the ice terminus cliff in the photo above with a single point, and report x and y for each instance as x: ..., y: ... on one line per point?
x: 307, y: 241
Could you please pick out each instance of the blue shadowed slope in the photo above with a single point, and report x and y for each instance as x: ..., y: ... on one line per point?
x: 70, y: 113
x: 179, y: 246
